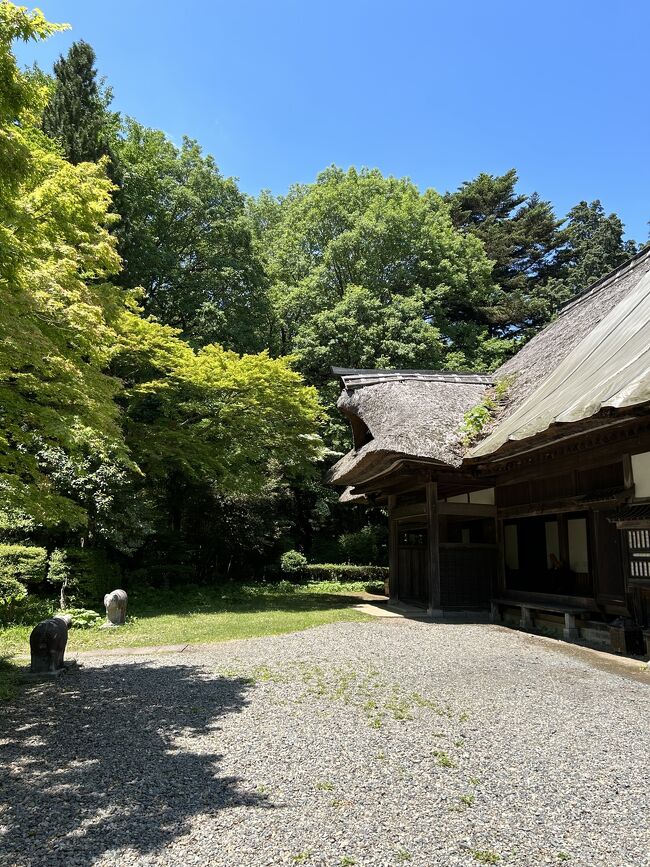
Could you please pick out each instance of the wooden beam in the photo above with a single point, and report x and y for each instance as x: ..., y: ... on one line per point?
x: 393, y: 577
x: 411, y: 510
x: 478, y: 510
x: 434, y: 555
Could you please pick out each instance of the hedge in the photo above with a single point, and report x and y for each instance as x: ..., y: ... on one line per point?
x: 345, y: 572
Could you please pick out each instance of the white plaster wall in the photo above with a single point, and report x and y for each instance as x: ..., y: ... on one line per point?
x: 641, y: 473
x: 485, y: 496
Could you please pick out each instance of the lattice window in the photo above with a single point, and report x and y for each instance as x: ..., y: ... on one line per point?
x: 638, y: 542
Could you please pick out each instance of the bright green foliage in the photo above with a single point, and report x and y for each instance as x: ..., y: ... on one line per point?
x: 186, y: 239
x: 217, y: 437
x: 360, y: 331
x: 521, y: 235
x: 478, y: 417
x: 78, y: 451
x: 211, y: 415
x: 366, y: 270
x: 77, y: 115
x: 24, y: 563
x: 60, y: 440
x: 84, y: 618
x: 293, y: 561
x: 20, y: 566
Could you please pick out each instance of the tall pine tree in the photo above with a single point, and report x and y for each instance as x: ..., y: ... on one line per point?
x: 521, y: 235
x: 77, y: 114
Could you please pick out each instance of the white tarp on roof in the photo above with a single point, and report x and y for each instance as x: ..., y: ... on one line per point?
x: 610, y: 367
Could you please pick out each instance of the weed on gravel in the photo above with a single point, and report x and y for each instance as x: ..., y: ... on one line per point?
x: 366, y: 691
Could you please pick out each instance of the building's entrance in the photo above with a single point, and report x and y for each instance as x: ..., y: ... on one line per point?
x: 412, y: 564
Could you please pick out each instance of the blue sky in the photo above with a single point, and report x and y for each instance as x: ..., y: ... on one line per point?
x: 439, y: 91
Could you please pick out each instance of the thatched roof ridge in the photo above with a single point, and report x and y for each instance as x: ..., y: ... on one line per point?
x: 406, y: 418
x: 358, y: 378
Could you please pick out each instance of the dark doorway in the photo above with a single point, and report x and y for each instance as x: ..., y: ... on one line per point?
x: 412, y: 564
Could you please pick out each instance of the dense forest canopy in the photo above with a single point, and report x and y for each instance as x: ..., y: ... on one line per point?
x: 166, y: 340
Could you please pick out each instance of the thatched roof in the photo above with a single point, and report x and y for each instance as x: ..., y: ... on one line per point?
x: 596, y: 354
x: 541, y: 355
x: 404, y: 414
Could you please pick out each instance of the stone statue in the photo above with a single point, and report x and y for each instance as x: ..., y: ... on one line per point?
x: 115, y: 603
x: 47, y: 644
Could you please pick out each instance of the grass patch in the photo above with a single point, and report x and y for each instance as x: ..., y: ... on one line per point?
x: 486, y: 856
x: 197, y: 615
x: 443, y: 759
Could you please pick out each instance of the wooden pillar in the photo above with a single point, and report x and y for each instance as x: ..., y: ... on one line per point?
x: 500, y: 588
x: 393, y: 577
x: 570, y: 630
x: 433, y: 535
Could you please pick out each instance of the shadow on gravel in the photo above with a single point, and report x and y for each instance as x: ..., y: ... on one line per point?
x: 102, y: 759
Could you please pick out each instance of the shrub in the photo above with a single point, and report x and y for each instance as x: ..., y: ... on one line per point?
x: 293, y: 561
x: 83, y: 574
x: 24, y: 563
x: 27, y: 611
x: 346, y: 572
x: 84, y: 618
x: 20, y: 565
x: 364, y: 546
x: 11, y: 592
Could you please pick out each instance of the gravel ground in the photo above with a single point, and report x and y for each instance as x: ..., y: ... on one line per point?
x: 380, y: 743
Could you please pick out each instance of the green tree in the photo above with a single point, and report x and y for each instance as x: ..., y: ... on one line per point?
x: 210, y: 414
x: 186, y: 239
x: 521, y: 236
x: 77, y: 114
x: 594, y: 244
x: 365, y: 267
x: 109, y: 419
x: 219, y: 438
x: 61, y: 445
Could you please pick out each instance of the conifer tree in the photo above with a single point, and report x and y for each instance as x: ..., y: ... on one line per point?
x: 521, y: 236
x: 77, y: 114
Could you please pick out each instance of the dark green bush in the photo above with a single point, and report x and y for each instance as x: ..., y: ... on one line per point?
x: 345, y: 572
x: 362, y: 546
x: 84, y: 575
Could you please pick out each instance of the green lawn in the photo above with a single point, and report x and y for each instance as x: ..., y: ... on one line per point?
x: 198, y: 615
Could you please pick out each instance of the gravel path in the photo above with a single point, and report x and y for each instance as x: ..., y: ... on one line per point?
x: 377, y: 743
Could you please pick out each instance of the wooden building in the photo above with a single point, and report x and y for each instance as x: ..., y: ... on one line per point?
x: 546, y: 517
